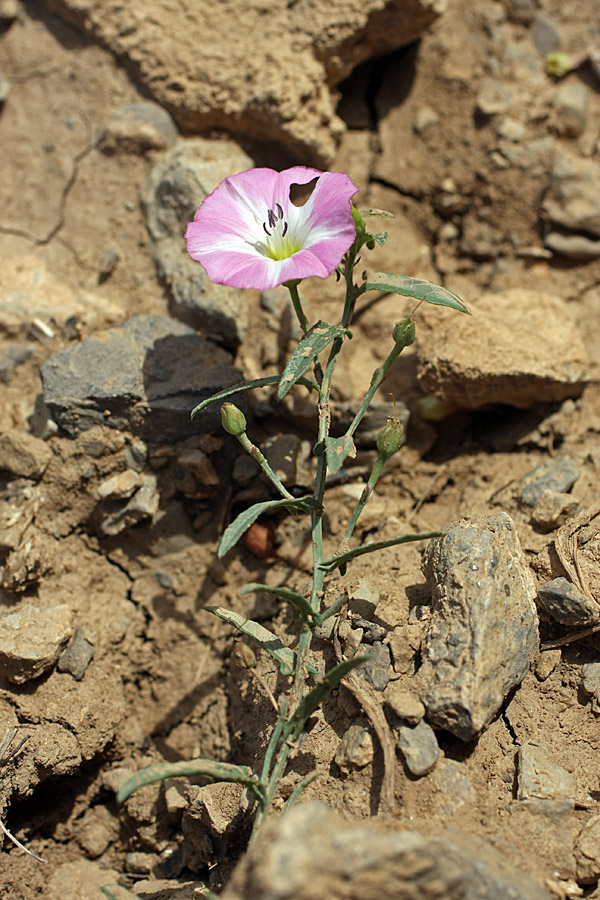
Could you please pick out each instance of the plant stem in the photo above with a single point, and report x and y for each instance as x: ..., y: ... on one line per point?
x: 297, y: 304
x: 367, y: 491
x: 256, y: 454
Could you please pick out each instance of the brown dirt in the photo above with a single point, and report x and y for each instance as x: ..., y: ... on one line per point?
x: 162, y: 684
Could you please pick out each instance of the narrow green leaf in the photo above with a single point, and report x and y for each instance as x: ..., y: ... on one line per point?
x: 248, y: 386
x: 329, y: 565
x: 311, y: 701
x: 380, y: 213
x: 263, y: 637
x: 413, y: 287
x: 337, y: 450
x: 217, y: 771
x: 242, y: 523
x: 116, y: 892
x: 312, y: 343
x: 298, y: 601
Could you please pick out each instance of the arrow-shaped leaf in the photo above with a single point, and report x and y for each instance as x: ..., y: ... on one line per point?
x: 312, y: 343
x: 337, y: 450
x: 242, y: 523
x: 257, y: 632
x: 413, y: 287
x: 298, y: 601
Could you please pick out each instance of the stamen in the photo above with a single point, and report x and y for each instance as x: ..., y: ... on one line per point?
x: 272, y: 219
x: 280, y: 211
x: 285, y: 227
x: 265, y: 227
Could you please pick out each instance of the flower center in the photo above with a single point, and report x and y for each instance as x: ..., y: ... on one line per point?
x: 280, y: 244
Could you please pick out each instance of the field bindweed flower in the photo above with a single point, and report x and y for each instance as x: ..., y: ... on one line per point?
x: 248, y: 234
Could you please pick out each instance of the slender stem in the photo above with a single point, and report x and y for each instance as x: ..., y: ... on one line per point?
x: 368, y: 490
x: 273, y: 743
x: 377, y: 380
x: 255, y: 453
x: 297, y: 304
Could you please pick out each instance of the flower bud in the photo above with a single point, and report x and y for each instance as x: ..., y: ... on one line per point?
x: 359, y: 222
x: 390, y: 438
x: 404, y: 332
x: 244, y: 656
x: 233, y: 419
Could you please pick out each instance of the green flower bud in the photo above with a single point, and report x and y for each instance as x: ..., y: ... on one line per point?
x: 433, y: 409
x: 559, y: 64
x: 233, y: 419
x: 389, y: 439
x: 404, y: 332
x: 359, y: 222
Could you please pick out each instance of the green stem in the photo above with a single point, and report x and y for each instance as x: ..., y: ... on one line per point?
x: 255, y: 453
x: 379, y: 376
x: 292, y: 287
x: 330, y: 565
x: 368, y: 490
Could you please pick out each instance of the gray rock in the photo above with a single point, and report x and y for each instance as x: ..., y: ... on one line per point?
x: 572, y: 246
x: 419, y: 747
x: 77, y: 657
x: 31, y: 640
x: 376, y: 670
x: 591, y: 679
x: 540, y: 777
x: 560, y: 476
x: 355, y: 749
x: 347, y: 860
x: 573, y: 196
x: 483, y: 630
x: 138, y: 127
x: 405, y: 704
x: 563, y: 602
x: 553, y: 508
x: 495, y: 97
x: 571, y: 103
x: 544, y: 35
x: 12, y: 356
x: 24, y: 455
x: 179, y: 182
x: 144, y: 376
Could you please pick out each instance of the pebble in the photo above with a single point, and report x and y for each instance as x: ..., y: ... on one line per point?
x: 419, y: 747
x: 540, y: 777
x: 138, y: 127
x: 355, y: 750
x: 142, y: 505
x: 491, y: 358
x: 560, y: 475
x: 9, y: 10
x: 404, y: 703
x: 96, y: 830
x: 23, y: 455
x: 180, y: 180
x: 144, y: 376
x: 591, y: 679
x: 566, y: 604
x: 364, y: 597
x: 572, y: 246
x: 494, y: 97
x: 553, y: 508
x: 572, y: 198
x: 32, y: 639
x: 11, y: 357
x: 571, y: 103
x: 376, y: 670
x: 425, y: 117
x: 77, y: 657
x: 483, y: 630
x: 119, y: 486
x: 587, y: 852
x: 547, y: 663
x: 544, y: 35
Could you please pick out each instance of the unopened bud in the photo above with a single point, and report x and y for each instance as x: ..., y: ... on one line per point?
x: 233, y: 419
x: 389, y: 439
x: 244, y: 655
x: 359, y: 222
x: 404, y: 332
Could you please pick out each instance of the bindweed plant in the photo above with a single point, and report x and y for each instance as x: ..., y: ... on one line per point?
x: 249, y: 234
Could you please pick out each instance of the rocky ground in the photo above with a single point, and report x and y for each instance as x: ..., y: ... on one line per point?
x: 472, y: 767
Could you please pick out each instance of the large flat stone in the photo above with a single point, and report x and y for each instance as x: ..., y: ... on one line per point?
x: 144, y: 376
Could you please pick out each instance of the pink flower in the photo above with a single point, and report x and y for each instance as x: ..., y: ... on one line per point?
x: 248, y: 233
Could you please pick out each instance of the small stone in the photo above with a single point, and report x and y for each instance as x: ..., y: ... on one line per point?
x: 119, y: 486
x: 376, y: 670
x: 511, y: 130
x: 571, y: 103
x: 142, y: 505
x: 139, y: 863
x: 483, y: 630
x: 77, y: 657
x: 95, y: 831
x: 404, y: 703
x: 199, y: 464
x: 494, y: 97
x: 424, y: 119
x: 587, y: 852
x: 572, y: 199
x: 559, y: 476
x: 137, y: 128
x: 564, y: 603
x: 540, y: 777
x: 572, y: 246
x: 553, y: 508
x: 547, y: 663
x: 355, y: 749
x: 591, y: 679
x: 419, y: 747
x: 544, y: 35
x: 522, y: 11
x: 176, y: 800
x: 11, y: 357
x: 364, y: 597
x: 24, y: 455
x: 108, y: 264
x: 31, y: 640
